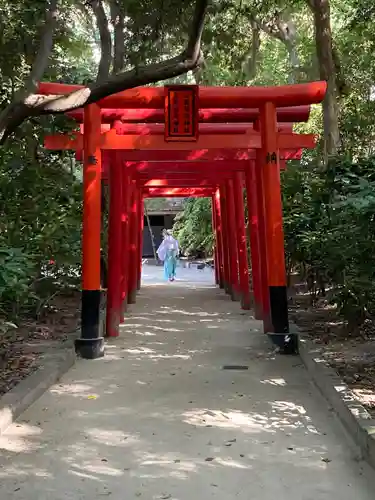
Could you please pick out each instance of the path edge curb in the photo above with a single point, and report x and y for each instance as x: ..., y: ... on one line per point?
x: 31, y: 388
x: 354, y: 416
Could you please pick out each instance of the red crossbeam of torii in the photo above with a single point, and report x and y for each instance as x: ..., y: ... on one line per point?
x: 224, y: 115
x: 238, y: 135
x: 192, y: 156
x: 181, y: 192
x: 204, y: 128
x: 111, y: 140
x: 209, y: 97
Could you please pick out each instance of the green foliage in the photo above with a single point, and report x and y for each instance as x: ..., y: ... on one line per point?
x: 16, y: 272
x: 329, y: 221
x: 193, y: 227
x: 40, y: 213
x: 328, y: 214
x: 40, y: 192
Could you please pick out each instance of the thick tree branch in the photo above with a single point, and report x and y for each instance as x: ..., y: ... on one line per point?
x: 35, y: 104
x: 194, y: 44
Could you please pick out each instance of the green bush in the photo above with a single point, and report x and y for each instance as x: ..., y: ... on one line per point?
x: 17, y: 273
x: 329, y: 220
x: 193, y: 227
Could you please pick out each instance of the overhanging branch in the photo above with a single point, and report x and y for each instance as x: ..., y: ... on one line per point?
x: 35, y: 104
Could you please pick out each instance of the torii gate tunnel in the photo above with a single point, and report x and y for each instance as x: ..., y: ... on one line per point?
x: 185, y: 140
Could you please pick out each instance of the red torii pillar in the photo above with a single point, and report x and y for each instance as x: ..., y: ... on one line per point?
x: 226, y: 259
x: 91, y: 343
x: 257, y: 232
x: 114, y: 249
x: 263, y: 264
x: 232, y: 241
x: 276, y: 275
x: 216, y: 240
x: 243, y: 266
x: 219, y: 229
x: 253, y: 231
x: 125, y: 224
x: 133, y: 237
x: 140, y: 237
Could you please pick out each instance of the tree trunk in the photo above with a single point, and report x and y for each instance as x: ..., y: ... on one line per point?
x: 105, y: 40
x: 282, y: 28
x: 250, y: 62
x: 117, y: 20
x: 287, y: 34
x: 327, y: 71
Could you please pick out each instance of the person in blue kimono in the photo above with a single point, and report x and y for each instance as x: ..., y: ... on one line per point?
x: 168, y: 252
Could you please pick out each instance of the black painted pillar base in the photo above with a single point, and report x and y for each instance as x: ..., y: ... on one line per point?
x: 286, y: 342
x: 125, y: 304
x: 132, y: 296
x: 236, y: 295
x: 91, y: 343
x: 246, y: 303
x: 90, y: 348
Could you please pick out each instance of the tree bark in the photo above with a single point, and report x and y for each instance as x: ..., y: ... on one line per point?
x: 341, y: 84
x: 117, y: 20
x: 284, y: 30
x: 287, y: 32
x: 105, y: 40
x: 327, y: 71
x: 45, y: 48
x: 249, y: 65
x: 36, y: 104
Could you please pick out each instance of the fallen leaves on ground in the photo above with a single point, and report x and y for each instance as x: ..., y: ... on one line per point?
x: 19, y: 352
x: 350, y: 354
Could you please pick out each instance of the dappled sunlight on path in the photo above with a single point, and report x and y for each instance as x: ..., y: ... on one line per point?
x: 189, y: 403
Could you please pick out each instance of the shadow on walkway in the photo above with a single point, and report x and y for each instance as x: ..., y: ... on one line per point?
x: 189, y: 403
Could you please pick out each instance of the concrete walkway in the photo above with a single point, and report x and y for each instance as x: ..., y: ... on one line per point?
x: 159, y: 417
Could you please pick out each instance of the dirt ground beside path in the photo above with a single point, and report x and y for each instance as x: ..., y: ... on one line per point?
x: 351, y: 355
x: 22, y: 349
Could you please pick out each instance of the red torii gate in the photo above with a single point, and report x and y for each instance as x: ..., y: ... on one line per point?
x: 139, y: 153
